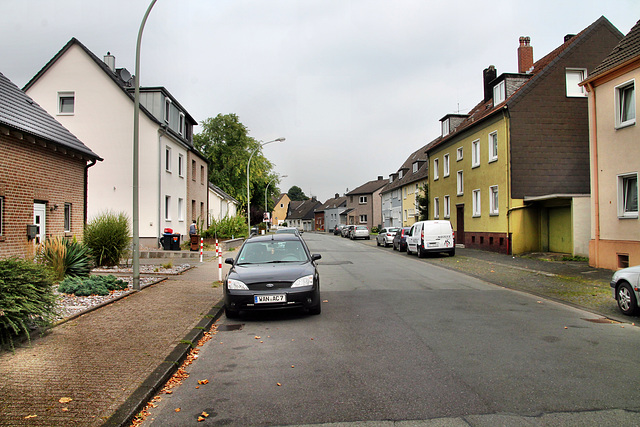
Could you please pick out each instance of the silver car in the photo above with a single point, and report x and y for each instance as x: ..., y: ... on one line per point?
x: 386, y: 235
x: 626, y: 289
x: 360, y: 232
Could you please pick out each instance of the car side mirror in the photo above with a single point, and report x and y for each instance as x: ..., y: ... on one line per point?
x: 315, y: 257
x: 229, y: 261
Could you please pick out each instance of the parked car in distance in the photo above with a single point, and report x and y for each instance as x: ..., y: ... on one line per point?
x: 288, y: 230
x: 431, y: 237
x: 386, y: 235
x: 346, y: 231
x: 626, y: 289
x: 272, y: 272
x: 360, y: 232
x: 338, y: 230
x: 400, y: 239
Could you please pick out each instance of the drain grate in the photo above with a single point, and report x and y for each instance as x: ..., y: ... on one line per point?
x: 225, y: 328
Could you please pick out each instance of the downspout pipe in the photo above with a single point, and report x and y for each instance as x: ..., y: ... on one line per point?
x: 161, y: 132
x: 595, y: 189
x: 86, y: 187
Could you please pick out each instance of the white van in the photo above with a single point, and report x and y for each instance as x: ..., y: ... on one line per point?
x: 431, y: 236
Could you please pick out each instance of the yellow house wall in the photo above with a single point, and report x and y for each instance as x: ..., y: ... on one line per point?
x: 409, y: 202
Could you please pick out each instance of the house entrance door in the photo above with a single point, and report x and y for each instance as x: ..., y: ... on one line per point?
x: 39, y: 219
x: 459, y: 224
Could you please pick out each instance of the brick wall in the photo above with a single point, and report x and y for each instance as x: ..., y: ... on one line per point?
x: 32, y: 173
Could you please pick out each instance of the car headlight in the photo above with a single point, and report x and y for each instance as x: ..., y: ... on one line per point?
x: 236, y: 284
x: 303, y: 281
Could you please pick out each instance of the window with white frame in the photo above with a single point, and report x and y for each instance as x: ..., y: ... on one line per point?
x: 625, y: 98
x: 499, y: 93
x: 460, y: 183
x: 202, y: 174
x: 363, y: 200
x: 445, y: 165
x: 167, y: 109
x: 167, y: 208
x: 167, y: 159
x: 435, y: 168
x: 180, y: 209
x: 447, y: 206
x: 436, y: 207
x: 181, y: 124
x: 400, y: 174
x: 363, y: 219
x: 406, y: 215
x: 415, y: 167
x: 67, y: 217
x: 628, y: 195
x: 66, y: 103
x: 476, y: 203
x: 493, y: 147
x: 459, y: 154
x: 493, y: 200
x: 180, y: 165
x: 573, y: 78
x: 475, y: 153
x: 445, y: 127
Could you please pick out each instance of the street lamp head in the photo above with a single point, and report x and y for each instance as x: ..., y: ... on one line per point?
x: 281, y: 139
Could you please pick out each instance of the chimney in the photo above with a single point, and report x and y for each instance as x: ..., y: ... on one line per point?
x: 568, y: 37
x: 337, y: 195
x: 489, y: 75
x: 110, y: 60
x: 525, y: 55
x: 380, y: 177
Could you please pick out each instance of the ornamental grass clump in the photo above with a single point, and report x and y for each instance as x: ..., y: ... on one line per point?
x: 65, y: 257
x: 108, y: 237
x: 94, y: 285
x: 27, y: 299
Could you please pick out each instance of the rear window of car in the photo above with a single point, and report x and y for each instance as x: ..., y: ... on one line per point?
x: 361, y: 227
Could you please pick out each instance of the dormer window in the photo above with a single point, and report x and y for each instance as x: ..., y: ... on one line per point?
x: 167, y: 109
x: 415, y: 167
x: 181, y: 124
x: 445, y: 127
x: 499, y: 93
x: 400, y: 174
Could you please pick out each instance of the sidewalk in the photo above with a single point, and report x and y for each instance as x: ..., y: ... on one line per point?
x: 109, y: 359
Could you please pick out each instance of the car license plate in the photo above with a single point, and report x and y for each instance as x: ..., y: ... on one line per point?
x: 261, y: 299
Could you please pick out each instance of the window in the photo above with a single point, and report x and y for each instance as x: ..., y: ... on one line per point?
x: 202, y: 174
x: 193, y: 170
x: 181, y: 124
x: 447, y: 206
x: 625, y: 98
x: 167, y: 109
x: 363, y: 218
x: 628, y: 196
x: 435, y: 168
x: 66, y: 103
x: 363, y: 200
x: 167, y: 208
x: 475, y: 153
x: 493, y: 200
x: 459, y: 154
x: 180, y: 209
x: 499, y: 94
x: 180, y: 165
x: 460, y: 184
x: 167, y: 159
x: 67, y: 217
x: 415, y: 167
x: 445, y: 127
x: 445, y: 166
x: 476, y: 203
x: 573, y: 77
x: 493, y: 147
x: 436, y: 208
x: 406, y: 215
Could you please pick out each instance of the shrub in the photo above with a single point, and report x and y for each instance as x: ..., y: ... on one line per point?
x: 65, y: 257
x: 227, y: 228
x: 94, y: 285
x: 26, y: 298
x: 108, y: 238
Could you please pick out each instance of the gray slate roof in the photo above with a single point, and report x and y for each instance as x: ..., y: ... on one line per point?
x: 626, y: 50
x: 23, y: 114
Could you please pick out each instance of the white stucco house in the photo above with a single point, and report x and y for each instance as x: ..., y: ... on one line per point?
x: 221, y: 204
x: 95, y: 101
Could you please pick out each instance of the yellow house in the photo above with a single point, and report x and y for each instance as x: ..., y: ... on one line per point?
x: 280, y: 209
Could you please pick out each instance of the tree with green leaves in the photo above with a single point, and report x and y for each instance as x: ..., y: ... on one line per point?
x: 296, y: 193
x: 422, y: 202
x: 226, y: 143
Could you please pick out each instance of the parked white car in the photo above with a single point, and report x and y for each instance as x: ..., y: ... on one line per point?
x: 431, y: 236
x: 386, y: 235
x: 626, y: 289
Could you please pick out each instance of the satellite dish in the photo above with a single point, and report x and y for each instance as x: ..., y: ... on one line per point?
x: 124, y: 74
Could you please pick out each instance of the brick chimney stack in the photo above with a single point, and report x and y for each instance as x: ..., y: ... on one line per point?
x: 525, y: 55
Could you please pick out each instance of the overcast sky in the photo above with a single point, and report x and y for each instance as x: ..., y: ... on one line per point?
x: 354, y: 86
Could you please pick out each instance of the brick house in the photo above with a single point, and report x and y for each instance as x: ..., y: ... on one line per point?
x: 327, y: 216
x: 365, y: 204
x: 615, y: 156
x: 43, y: 178
x: 512, y: 175
x: 95, y: 100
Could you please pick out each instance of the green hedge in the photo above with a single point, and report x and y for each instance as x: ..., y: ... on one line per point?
x: 94, y: 285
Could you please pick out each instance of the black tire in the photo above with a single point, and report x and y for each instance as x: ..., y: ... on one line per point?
x: 377, y: 242
x: 316, y: 309
x: 452, y: 252
x: 421, y: 253
x: 626, y: 298
x: 369, y: 238
x: 408, y: 251
x: 231, y: 314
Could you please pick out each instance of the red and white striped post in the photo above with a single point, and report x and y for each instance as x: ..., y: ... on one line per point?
x: 201, y: 247
x: 219, y: 253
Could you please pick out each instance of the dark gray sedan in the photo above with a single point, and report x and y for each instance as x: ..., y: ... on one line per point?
x: 272, y: 272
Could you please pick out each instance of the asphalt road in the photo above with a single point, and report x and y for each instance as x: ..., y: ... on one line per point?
x: 401, y: 339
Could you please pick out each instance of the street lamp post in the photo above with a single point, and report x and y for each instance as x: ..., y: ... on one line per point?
x: 248, y: 194
x: 136, y: 126
x: 266, y: 208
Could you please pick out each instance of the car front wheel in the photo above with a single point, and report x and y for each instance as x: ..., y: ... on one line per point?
x: 231, y: 314
x: 627, y: 299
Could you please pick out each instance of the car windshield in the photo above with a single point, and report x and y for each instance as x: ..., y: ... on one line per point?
x: 265, y: 252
